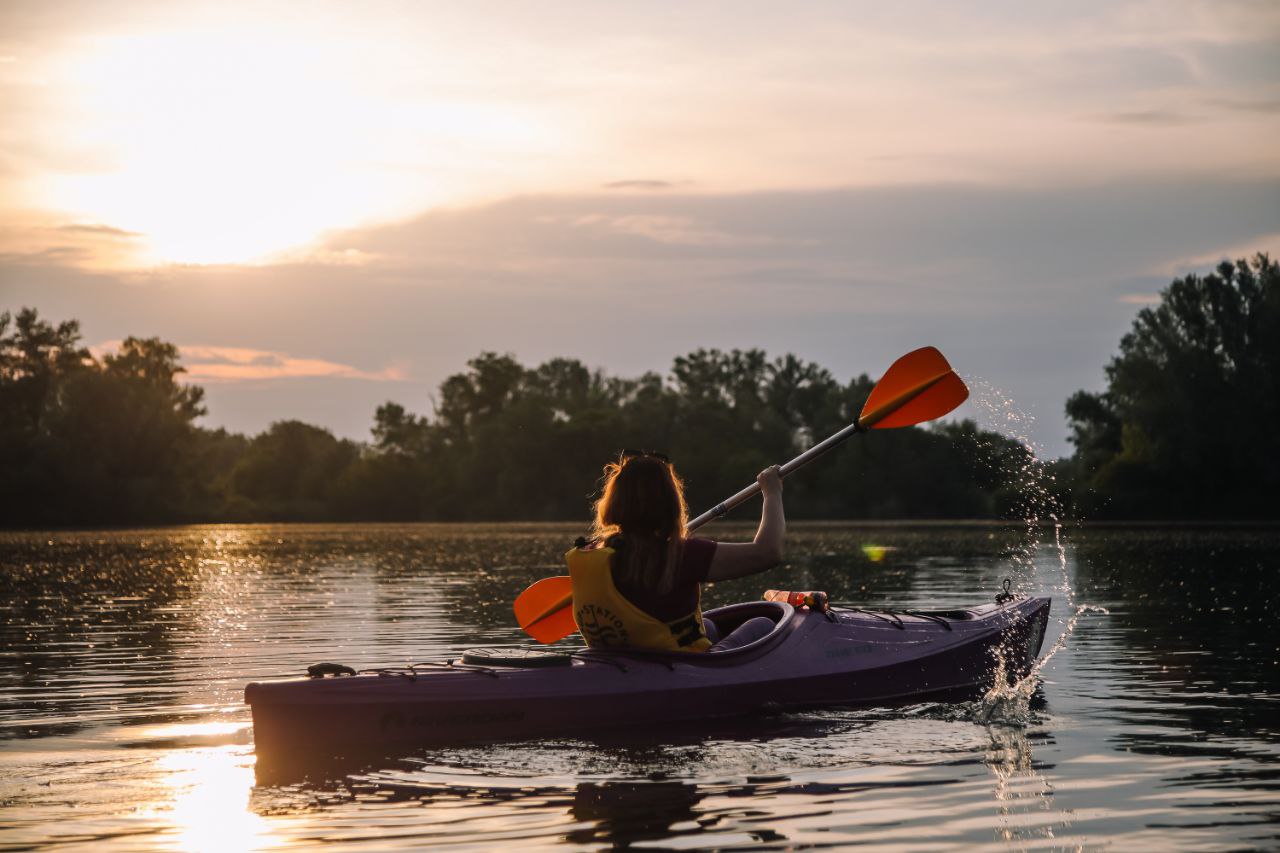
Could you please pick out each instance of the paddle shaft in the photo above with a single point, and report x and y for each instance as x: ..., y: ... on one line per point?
x: 864, y: 423
x: 754, y: 489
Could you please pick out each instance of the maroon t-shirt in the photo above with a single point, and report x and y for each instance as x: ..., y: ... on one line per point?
x: 695, y: 563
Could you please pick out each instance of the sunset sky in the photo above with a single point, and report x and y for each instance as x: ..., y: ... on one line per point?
x: 328, y: 205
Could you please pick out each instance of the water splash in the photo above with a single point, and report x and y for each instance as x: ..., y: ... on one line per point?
x: 1035, y: 483
x: 1008, y: 702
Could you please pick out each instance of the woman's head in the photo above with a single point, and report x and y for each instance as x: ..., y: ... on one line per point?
x: 643, y: 499
x: 642, y: 496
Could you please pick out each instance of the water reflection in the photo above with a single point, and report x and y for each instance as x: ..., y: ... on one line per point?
x: 208, y: 804
x: 622, y: 813
x: 748, y: 783
x: 123, y: 654
x: 1023, y: 794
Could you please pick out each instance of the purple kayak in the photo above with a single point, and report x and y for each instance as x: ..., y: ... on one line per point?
x: 841, y: 657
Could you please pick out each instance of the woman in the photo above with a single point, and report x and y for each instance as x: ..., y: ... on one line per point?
x: 638, y: 583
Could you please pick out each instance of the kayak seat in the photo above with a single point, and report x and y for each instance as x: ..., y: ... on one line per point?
x: 726, y: 619
x: 747, y: 625
x: 748, y: 632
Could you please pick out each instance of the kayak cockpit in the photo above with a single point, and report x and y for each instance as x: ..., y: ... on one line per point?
x: 730, y: 618
x: 726, y: 619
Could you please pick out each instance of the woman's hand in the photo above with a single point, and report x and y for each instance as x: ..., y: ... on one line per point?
x: 736, y: 559
x: 770, y: 480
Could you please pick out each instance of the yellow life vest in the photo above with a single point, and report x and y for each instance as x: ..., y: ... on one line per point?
x: 606, y: 618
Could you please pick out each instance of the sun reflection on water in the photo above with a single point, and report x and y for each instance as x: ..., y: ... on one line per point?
x: 208, y: 808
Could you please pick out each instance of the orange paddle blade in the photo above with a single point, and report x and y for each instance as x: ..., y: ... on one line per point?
x: 545, y: 610
x: 916, y: 388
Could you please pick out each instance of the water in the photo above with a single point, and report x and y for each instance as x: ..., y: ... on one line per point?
x: 123, y: 656
x: 1009, y: 701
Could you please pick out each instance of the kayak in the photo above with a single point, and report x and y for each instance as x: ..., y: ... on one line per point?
x: 813, y: 657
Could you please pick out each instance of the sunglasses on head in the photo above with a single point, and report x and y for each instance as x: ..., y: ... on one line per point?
x: 632, y: 454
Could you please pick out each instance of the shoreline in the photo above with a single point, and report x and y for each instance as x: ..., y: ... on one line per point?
x: 800, y: 524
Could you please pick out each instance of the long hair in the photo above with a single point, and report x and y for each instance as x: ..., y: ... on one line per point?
x: 643, y: 499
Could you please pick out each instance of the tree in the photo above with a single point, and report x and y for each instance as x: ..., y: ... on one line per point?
x: 1186, y: 426
x: 291, y: 471
x: 88, y: 441
x: 35, y: 357
x: 124, y: 436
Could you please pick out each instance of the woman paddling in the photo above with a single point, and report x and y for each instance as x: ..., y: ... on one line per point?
x: 638, y: 582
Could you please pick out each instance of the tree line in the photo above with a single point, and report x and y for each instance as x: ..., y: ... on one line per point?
x: 1184, y: 430
x: 114, y: 440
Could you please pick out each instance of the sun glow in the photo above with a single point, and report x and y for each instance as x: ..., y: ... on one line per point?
x: 208, y: 803
x: 223, y: 147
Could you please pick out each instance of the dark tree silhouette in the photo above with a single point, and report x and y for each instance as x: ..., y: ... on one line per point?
x: 1187, y: 425
x: 113, y: 441
x: 93, y: 442
x: 290, y: 471
x: 509, y: 442
x: 35, y: 358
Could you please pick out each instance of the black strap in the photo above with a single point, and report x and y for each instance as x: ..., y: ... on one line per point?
x: 320, y: 670
x: 1006, y: 595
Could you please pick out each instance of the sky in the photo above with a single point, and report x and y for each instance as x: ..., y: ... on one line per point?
x: 329, y: 205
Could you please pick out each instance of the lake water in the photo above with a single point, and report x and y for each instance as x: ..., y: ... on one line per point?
x: 124, y: 655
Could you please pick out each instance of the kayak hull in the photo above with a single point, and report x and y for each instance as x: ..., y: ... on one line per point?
x: 811, y: 659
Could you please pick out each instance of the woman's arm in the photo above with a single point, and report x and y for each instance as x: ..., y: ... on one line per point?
x: 737, y: 559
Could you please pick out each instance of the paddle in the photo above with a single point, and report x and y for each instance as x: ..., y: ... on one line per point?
x: 916, y: 388
x: 543, y: 609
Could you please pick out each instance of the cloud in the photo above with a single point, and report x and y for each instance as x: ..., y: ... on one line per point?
x: 49, y: 255
x: 97, y: 230
x: 1153, y: 118
x: 1140, y: 299
x: 33, y: 238
x: 950, y: 234
x: 206, y: 363
x: 677, y: 230
x: 322, y: 255
x: 1268, y: 244
x: 1265, y: 106
x: 232, y: 364
x: 640, y: 184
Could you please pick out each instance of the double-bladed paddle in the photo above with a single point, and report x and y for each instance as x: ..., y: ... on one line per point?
x: 916, y: 388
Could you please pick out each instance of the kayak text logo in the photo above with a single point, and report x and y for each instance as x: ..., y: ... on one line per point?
x: 600, y: 626
x: 395, y: 720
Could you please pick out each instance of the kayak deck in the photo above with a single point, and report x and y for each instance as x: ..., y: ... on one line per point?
x: 811, y: 658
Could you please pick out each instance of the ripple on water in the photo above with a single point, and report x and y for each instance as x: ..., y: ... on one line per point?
x: 123, y: 656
